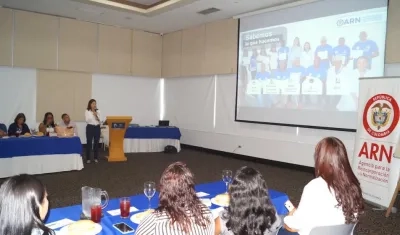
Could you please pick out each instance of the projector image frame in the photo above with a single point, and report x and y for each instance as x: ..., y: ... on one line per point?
x: 279, y: 87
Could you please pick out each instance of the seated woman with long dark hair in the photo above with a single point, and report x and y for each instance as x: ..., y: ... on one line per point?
x: 18, y: 127
x: 250, y: 210
x: 333, y: 198
x: 180, y: 211
x: 23, y: 206
x: 47, y: 125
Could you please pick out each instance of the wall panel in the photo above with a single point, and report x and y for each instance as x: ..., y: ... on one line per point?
x: 62, y: 92
x: 171, y: 54
x: 393, y: 33
x: 115, y: 50
x: 146, y: 54
x: 221, y: 47
x: 77, y: 48
x: 35, y: 40
x: 193, y: 55
x: 6, y: 31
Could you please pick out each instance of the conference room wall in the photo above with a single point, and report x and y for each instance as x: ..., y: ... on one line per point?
x: 39, y: 41
x: 119, y: 95
x: 18, y: 94
x: 35, y: 92
x: 205, y: 113
x: 203, y: 50
x: 189, y: 103
x: 278, y: 143
x: 62, y: 92
x: 66, y: 53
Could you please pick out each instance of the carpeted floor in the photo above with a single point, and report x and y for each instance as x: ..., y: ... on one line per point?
x: 122, y: 179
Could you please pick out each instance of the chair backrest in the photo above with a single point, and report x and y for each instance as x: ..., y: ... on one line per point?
x: 343, y: 229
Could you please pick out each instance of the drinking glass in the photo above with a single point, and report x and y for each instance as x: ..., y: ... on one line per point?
x: 149, y: 191
x: 227, y: 178
x: 125, y: 206
x: 95, y: 213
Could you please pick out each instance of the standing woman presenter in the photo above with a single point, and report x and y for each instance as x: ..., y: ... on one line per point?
x: 92, y: 117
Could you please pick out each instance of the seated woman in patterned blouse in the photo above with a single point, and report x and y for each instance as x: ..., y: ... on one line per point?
x: 180, y: 211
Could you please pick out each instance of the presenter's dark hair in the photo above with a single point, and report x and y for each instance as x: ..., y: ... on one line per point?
x: 64, y: 114
x: 45, y: 117
x: 20, y: 198
x: 332, y: 164
x: 250, y: 210
x: 177, y: 196
x: 20, y: 115
x: 90, y: 103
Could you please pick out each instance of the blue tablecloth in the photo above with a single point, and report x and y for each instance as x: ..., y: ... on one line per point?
x: 26, y: 146
x: 141, y: 203
x: 148, y: 132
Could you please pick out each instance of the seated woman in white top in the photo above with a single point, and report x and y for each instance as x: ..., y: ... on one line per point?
x: 333, y: 198
x: 23, y: 206
x: 180, y: 211
x: 250, y: 209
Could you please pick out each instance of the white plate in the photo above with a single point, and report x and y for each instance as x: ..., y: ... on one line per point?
x: 137, y: 218
x: 206, y: 201
x: 218, y: 203
x: 97, y: 230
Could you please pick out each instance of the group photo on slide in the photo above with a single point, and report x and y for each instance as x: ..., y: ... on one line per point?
x: 303, y: 66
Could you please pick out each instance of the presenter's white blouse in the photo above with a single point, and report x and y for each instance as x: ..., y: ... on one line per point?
x: 317, y: 208
x: 91, y: 118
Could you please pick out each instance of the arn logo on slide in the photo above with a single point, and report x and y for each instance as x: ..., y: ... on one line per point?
x: 348, y: 21
x: 370, y: 18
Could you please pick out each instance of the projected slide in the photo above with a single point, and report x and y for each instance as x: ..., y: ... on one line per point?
x: 311, y: 67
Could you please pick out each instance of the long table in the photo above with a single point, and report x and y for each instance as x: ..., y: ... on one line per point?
x: 141, y: 203
x: 39, y: 155
x: 151, y: 138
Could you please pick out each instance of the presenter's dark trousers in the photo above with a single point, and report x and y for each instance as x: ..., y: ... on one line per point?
x: 92, y: 140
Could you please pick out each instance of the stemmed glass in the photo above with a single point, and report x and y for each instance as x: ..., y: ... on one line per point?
x: 227, y: 178
x: 149, y: 191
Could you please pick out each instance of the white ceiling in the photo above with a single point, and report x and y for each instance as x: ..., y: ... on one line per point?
x: 176, y: 19
x: 145, y: 2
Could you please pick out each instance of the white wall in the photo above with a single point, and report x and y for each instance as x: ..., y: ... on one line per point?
x: 278, y: 143
x: 203, y: 107
x: 17, y: 94
x: 115, y: 95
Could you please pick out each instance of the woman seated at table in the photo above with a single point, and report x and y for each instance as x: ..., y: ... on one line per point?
x: 3, y: 130
x: 23, y: 206
x: 180, y: 211
x: 19, y: 126
x: 47, y: 126
x: 333, y: 198
x: 250, y: 209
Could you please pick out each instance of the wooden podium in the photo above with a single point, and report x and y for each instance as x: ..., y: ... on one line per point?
x: 117, y: 126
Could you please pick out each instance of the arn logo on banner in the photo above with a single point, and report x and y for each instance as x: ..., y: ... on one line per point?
x: 381, y: 115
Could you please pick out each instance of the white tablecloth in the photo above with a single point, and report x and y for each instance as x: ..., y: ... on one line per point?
x: 149, y: 145
x: 40, y: 164
x: 142, y: 145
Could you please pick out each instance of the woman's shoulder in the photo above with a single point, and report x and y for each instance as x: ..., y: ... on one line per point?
x: 316, y: 183
x: 37, y: 231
